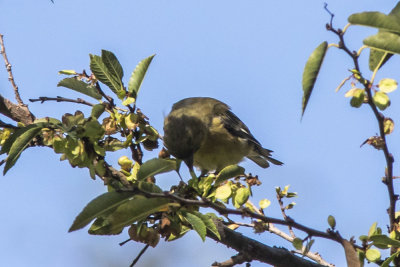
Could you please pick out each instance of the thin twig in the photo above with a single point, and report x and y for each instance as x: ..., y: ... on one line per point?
x: 234, y: 260
x: 9, y: 70
x: 7, y: 125
x: 139, y: 255
x: 43, y: 99
x: 285, y: 217
x: 329, y: 12
x: 124, y: 242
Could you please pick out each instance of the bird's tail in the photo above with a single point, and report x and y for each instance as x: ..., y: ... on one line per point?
x: 262, y: 156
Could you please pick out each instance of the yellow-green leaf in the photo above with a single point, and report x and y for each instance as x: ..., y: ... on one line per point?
x: 297, y: 243
x: 264, y: 203
x: 241, y: 196
x: 381, y: 100
x: 67, y: 72
x: 373, y: 255
x: 332, y: 221
x: 358, y: 98
x: 128, y: 101
x: 388, y: 125
x: 223, y: 192
x: 387, y: 85
x: 372, y: 229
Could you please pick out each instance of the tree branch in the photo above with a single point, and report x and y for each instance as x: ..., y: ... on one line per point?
x: 245, y: 212
x: 9, y: 70
x: 380, y: 118
x: 252, y: 249
x: 42, y: 99
x: 234, y: 260
x: 18, y: 113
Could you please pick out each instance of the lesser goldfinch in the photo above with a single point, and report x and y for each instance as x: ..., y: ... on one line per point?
x: 203, y: 132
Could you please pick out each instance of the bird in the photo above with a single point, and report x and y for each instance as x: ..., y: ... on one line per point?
x: 205, y: 133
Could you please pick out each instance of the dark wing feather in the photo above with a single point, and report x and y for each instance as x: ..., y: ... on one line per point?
x: 236, y: 127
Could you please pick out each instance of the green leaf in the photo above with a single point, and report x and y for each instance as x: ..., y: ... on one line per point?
x: 390, y: 259
x: 97, y: 110
x: 5, y: 148
x: 135, y: 209
x: 112, y: 64
x: 332, y: 221
x: 381, y: 100
x: 104, y: 75
x: 264, y: 203
x: 297, y: 243
x: 138, y: 75
x: 49, y: 121
x: 376, y: 20
x: 17, y: 143
x: 184, y: 230
x: 103, y: 227
x: 308, y: 246
x: 375, y: 58
x: 149, y: 187
x: 241, y: 196
x: 80, y: 86
x: 358, y: 98
x: 384, y: 240
x: 228, y: 172
x: 373, y: 255
x: 156, y: 166
x: 209, y: 223
x: 197, y: 224
x: 384, y: 41
x: 99, y: 206
x: 311, y: 71
x: 387, y: 85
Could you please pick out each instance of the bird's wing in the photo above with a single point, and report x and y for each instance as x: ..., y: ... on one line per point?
x: 237, y: 128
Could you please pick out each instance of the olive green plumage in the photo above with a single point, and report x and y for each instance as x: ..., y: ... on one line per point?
x: 203, y: 132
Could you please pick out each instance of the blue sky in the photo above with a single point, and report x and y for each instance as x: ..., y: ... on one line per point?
x: 249, y: 54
